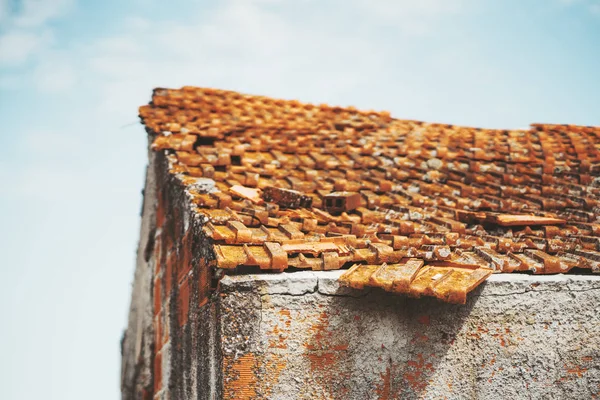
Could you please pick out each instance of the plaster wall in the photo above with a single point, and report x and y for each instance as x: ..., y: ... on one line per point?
x: 301, y: 336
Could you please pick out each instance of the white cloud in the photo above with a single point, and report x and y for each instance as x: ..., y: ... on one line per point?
x: 44, y: 142
x: 239, y: 44
x: 4, y: 10
x: 36, y: 13
x: 593, y: 6
x: 136, y: 23
x: 11, y: 81
x: 18, y: 46
x: 409, y: 16
x: 54, y: 73
x: 25, y: 28
x: 253, y: 42
x: 411, y: 9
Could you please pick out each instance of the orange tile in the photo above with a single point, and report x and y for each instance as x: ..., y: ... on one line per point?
x: 411, y: 200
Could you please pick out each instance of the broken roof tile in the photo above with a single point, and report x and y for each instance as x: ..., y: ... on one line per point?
x: 286, y: 198
x: 251, y: 194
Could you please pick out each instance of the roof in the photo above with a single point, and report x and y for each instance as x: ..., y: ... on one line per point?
x: 411, y: 207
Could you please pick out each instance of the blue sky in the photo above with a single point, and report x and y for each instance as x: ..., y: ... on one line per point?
x: 72, y: 158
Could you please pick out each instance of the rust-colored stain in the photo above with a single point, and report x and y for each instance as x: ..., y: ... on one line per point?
x: 286, y: 184
x: 384, y: 389
x: 286, y: 317
x: 327, y: 354
x: 419, y: 338
x: 274, y: 366
x: 321, y: 361
x: 417, y: 371
x: 340, y: 347
x: 477, y: 333
x: 575, y: 370
x: 280, y: 337
x: 504, y: 336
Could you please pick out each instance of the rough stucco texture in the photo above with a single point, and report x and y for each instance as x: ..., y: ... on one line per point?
x: 301, y: 336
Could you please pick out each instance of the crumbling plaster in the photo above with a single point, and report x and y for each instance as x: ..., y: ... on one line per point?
x: 518, y: 336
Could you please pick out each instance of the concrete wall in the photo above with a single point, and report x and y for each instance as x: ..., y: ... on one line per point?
x: 301, y: 336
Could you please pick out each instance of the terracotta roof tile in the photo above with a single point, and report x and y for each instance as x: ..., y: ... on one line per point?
x: 412, y: 207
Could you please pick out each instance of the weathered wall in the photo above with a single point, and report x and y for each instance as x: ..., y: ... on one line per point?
x: 301, y: 336
x: 137, y: 346
x: 168, y: 347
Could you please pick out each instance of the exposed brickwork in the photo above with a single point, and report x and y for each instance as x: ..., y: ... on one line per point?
x: 182, y: 280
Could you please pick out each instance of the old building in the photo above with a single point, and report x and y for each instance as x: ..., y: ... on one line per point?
x: 372, y: 232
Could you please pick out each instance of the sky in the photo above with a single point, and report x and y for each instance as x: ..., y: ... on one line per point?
x: 73, y: 154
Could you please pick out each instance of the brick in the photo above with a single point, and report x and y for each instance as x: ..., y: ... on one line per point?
x: 157, y: 372
x: 183, y: 302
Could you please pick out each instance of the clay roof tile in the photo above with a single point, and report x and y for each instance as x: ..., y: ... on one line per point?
x: 412, y: 207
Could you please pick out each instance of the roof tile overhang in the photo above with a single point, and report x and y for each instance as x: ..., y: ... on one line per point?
x: 412, y: 207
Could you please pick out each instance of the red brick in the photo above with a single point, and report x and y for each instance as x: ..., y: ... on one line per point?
x: 203, y: 282
x: 157, y: 373
x: 170, y: 265
x: 183, y: 302
x: 157, y: 256
x: 165, y: 323
x: 158, y: 332
x: 157, y: 296
x: 184, y: 266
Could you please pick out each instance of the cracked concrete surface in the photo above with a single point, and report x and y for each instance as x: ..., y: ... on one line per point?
x: 300, y: 335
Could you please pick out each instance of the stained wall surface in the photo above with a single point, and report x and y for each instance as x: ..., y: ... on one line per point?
x: 301, y: 336
x: 168, y: 349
